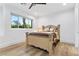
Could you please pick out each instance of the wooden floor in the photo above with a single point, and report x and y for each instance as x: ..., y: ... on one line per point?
x: 62, y: 49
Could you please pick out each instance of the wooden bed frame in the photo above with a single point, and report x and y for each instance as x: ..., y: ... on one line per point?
x: 44, y: 40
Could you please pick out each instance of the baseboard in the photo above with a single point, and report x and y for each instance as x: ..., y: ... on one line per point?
x: 11, y: 47
x: 68, y: 43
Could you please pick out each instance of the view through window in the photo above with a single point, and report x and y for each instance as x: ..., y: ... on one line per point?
x: 20, y: 22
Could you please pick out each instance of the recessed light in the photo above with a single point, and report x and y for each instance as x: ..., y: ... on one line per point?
x: 64, y: 4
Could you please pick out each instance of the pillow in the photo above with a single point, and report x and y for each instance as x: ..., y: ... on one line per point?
x: 40, y: 29
x: 51, y: 29
x: 46, y: 30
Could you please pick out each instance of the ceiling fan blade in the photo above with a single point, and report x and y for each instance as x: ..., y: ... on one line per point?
x: 40, y: 3
x: 33, y: 4
x: 30, y: 6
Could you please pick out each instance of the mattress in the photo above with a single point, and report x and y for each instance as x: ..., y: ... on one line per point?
x: 40, y: 33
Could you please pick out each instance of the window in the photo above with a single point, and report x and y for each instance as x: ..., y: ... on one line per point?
x: 20, y: 22
x: 28, y: 23
x: 14, y: 21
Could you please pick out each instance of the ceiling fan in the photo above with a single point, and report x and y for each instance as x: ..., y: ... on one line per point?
x: 33, y: 4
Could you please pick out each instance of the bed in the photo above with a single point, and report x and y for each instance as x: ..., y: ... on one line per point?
x: 46, y: 39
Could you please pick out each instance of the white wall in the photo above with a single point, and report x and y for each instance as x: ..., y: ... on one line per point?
x: 1, y: 27
x: 77, y: 25
x: 66, y: 21
x: 2, y: 23
x: 12, y: 36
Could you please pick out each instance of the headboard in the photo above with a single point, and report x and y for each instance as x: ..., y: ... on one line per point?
x: 52, y: 28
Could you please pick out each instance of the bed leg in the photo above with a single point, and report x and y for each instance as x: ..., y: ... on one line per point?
x: 51, y: 50
x: 50, y: 53
x: 26, y: 45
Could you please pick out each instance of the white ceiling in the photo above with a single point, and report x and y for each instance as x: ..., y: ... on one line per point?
x: 42, y: 10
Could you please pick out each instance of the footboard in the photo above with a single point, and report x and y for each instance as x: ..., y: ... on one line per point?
x: 39, y: 41
x: 42, y: 41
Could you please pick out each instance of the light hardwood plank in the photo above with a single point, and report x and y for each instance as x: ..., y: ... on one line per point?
x: 62, y: 49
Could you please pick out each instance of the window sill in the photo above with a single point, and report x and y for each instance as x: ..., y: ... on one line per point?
x: 21, y: 29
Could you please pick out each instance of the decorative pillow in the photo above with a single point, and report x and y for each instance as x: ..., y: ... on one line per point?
x: 40, y: 29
